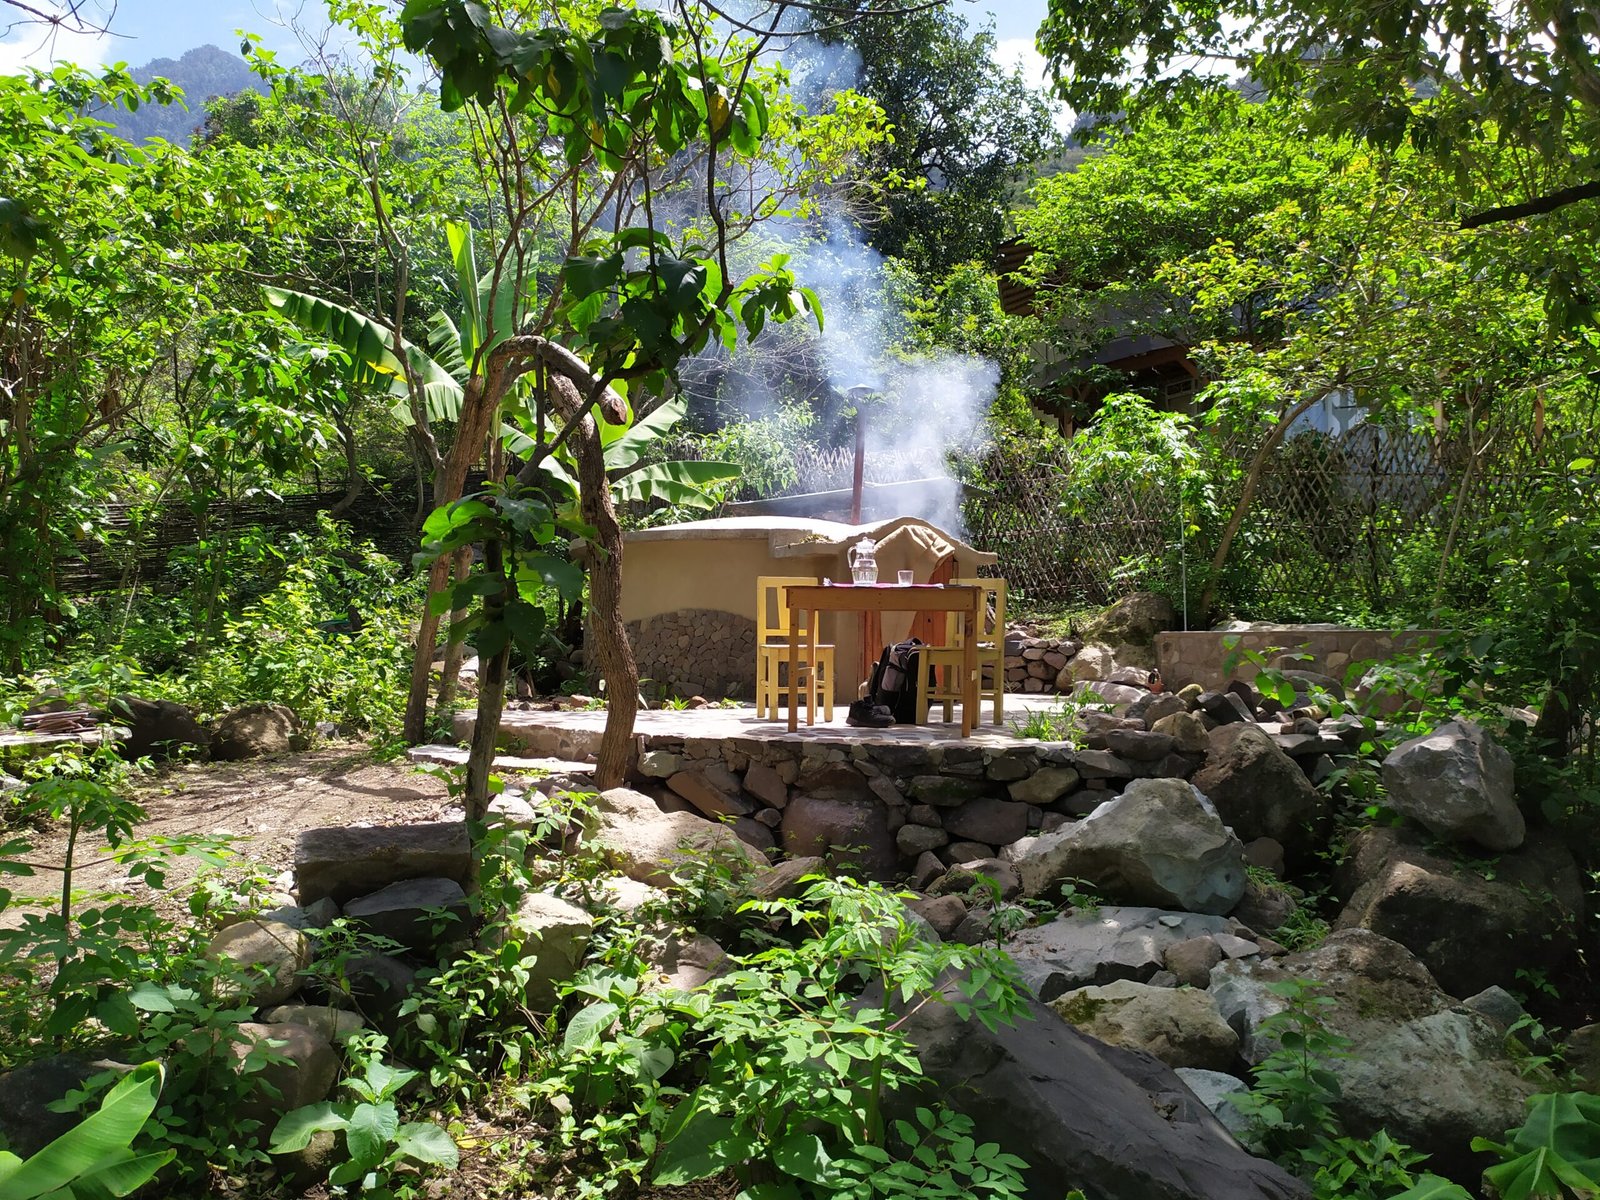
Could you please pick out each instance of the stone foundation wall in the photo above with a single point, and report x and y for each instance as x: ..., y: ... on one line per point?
x: 1198, y: 657
x: 697, y: 652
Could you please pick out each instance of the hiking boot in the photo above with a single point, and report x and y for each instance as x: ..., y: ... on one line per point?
x: 864, y: 714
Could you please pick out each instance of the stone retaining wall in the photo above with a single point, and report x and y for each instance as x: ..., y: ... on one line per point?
x: 1199, y: 656
x: 697, y: 652
x: 899, y: 809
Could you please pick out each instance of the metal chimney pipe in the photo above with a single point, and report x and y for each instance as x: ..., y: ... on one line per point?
x: 859, y: 393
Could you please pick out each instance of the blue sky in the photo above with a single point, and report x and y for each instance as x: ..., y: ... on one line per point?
x: 146, y: 29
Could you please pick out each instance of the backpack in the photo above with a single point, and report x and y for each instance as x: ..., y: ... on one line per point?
x: 894, y: 680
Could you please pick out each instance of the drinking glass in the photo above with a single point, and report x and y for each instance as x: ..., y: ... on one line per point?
x: 907, y: 578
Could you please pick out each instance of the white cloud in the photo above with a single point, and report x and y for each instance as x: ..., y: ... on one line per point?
x: 28, y: 43
x: 1021, y: 53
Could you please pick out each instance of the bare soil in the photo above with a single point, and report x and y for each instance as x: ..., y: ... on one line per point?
x: 265, y: 803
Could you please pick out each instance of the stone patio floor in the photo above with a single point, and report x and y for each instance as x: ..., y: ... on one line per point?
x: 741, y: 722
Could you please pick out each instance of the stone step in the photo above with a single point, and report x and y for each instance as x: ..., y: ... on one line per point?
x: 456, y: 756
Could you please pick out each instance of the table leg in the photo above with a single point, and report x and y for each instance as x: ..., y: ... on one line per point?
x: 969, y: 673
x: 794, y: 670
x: 811, y: 670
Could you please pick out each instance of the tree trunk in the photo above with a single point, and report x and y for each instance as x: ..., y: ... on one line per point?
x: 450, y: 671
x: 480, y: 403
x: 609, y: 639
x: 355, y: 480
x: 491, y: 700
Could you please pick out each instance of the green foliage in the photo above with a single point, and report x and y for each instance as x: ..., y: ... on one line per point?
x: 966, y: 130
x: 1555, y: 1152
x: 378, y: 1145
x: 1059, y: 722
x: 778, y: 1070
x: 277, y: 646
x: 1292, y: 1107
x: 1437, y: 76
x: 95, y: 1158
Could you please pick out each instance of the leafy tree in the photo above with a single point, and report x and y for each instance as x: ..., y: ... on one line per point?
x: 587, y: 123
x: 1299, y: 266
x: 99, y: 307
x: 1443, y: 75
x: 965, y: 130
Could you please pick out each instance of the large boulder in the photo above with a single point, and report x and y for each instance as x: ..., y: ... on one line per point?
x: 156, y: 728
x: 1135, y: 618
x: 1472, y: 925
x: 335, y: 1024
x: 1104, y: 944
x: 27, y: 1122
x: 1117, y: 1124
x: 636, y: 838
x: 1180, y: 1026
x: 987, y: 820
x: 420, y: 914
x: 843, y: 831
x: 554, y: 935
x: 253, y: 730
x: 300, y: 1069
x: 271, y: 956
x: 344, y: 862
x: 1456, y: 783
x: 1159, y: 843
x: 1258, y: 789
x: 1433, y: 1073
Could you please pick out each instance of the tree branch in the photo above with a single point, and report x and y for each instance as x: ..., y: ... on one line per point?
x: 1533, y: 208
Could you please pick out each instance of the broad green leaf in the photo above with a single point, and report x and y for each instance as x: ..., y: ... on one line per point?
x: 1558, y: 1143
x: 585, y: 1028
x: 805, y: 1157
x: 678, y: 482
x: 705, y: 1145
x: 427, y: 1143
x: 121, y: 1176
x: 546, y: 569
x: 99, y: 1141
x: 624, y: 444
x: 150, y: 997
x: 370, y: 1130
x: 385, y: 1080
x: 369, y: 350
x: 458, y: 234
x: 295, y: 1128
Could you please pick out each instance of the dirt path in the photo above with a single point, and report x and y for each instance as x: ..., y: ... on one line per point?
x: 263, y: 802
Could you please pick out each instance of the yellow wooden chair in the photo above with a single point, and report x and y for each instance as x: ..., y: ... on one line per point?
x: 772, y: 650
x: 945, y: 688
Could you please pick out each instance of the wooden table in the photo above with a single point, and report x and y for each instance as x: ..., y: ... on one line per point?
x: 884, y: 597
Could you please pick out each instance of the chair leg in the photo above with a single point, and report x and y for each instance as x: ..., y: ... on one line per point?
x: 825, y: 681
x: 924, y: 680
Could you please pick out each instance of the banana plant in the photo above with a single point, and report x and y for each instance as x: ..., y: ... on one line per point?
x: 94, y: 1158
x: 440, y: 372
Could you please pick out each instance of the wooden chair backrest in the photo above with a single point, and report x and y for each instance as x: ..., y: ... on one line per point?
x: 772, y: 605
x: 993, y: 626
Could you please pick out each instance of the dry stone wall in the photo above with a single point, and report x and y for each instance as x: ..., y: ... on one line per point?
x: 1200, y: 656
x: 896, y: 809
x: 697, y: 652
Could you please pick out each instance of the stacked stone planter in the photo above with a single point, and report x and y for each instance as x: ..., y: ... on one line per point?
x: 1039, y: 664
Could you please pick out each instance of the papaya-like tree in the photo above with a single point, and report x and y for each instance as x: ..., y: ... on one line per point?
x: 612, y: 138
